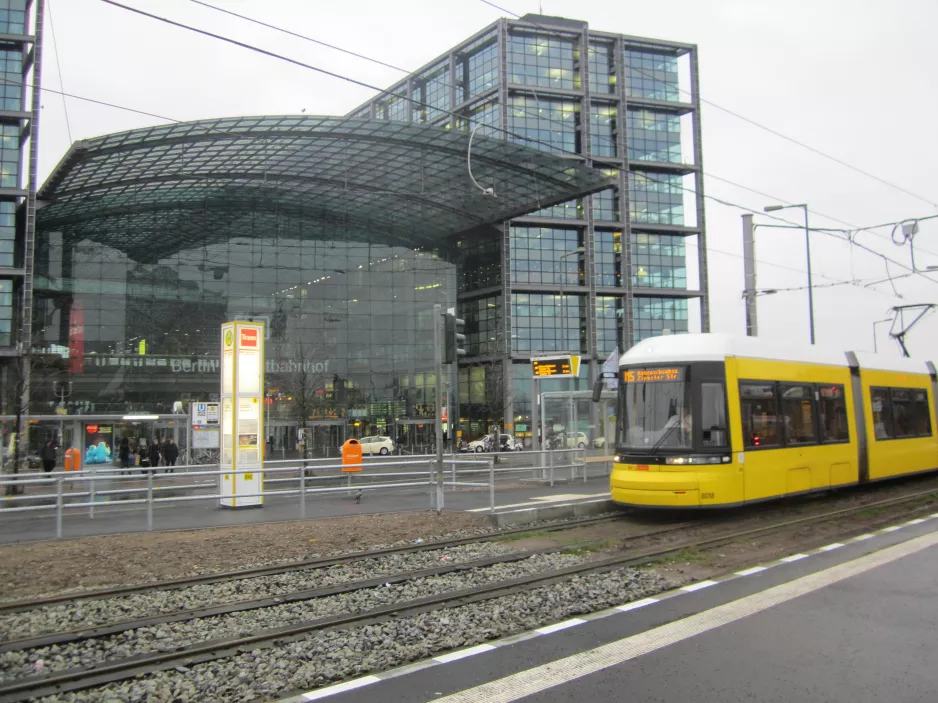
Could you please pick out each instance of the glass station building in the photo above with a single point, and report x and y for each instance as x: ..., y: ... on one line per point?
x: 342, y: 233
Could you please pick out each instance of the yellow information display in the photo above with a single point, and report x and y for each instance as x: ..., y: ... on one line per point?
x: 242, y: 414
x: 566, y: 366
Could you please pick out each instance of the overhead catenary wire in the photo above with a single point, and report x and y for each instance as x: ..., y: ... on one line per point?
x: 753, y: 122
x: 419, y: 102
x: 58, y: 65
x: 851, y: 239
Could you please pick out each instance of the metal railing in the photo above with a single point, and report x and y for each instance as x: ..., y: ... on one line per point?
x: 98, y: 487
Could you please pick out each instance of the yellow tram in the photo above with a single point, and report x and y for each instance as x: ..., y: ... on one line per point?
x: 716, y: 420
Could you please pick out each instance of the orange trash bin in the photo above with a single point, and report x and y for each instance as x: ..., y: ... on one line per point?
x: 72, y: 459
x: 351, y: 455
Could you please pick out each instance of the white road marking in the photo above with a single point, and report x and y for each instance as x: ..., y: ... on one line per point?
x: 794, y: 557
x: 751, y: 570
x: 697, y: 586
x: 555, y: 673
x: 891, y: 528
x: 557, y: 626
x: 831, y: 547
x: 541, y: 502
x: 916, y: 521
x: 340, y: 688
x: 636, y: 604
x: 860, y: 538
x: 463, y: 653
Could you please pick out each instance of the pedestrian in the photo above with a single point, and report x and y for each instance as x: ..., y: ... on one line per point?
x: 172, y: 453
x: 154, y: 453
x: 48, y: 456
x: 143, y: 453
x: 123, y: 453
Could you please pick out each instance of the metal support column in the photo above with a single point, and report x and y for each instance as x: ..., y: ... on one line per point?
x: 699, y: 190
x: 749, y: 277
x: 438, y: 404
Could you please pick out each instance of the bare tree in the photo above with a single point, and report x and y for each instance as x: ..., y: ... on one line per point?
x: 302, y: 375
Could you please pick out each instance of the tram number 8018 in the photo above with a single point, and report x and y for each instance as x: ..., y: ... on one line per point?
x: 707, y: 496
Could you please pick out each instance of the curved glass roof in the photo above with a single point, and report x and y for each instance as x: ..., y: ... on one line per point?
x: 163, y: 188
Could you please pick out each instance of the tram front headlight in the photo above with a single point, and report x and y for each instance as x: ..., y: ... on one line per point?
x: 617, y: 459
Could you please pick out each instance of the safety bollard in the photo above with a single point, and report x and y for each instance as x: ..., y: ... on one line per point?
x: 150, y: 502
x: 91, y: 494
x: 550, y: 463
x: 491, y: 484
x: 58, y: 508
x: 584, y: 465
x: 432, y: 464
x: 302, y: 493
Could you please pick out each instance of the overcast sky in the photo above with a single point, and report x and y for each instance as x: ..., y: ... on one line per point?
x: 852, y: 78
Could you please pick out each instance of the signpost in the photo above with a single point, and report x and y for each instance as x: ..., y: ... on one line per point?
x: 242, y: 414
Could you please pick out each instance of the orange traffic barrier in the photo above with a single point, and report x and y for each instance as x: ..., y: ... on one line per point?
x: 72, y: 459
x: 351, y: 455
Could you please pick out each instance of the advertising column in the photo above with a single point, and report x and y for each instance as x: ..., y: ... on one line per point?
x: 242, y: 414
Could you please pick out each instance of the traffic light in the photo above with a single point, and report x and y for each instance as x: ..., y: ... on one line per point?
x: 455, y: 340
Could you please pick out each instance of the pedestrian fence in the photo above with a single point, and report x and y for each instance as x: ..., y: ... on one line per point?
x: 95, y: 488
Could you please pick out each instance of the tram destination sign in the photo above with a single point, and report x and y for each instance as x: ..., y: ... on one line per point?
x: 652, y: 375
x: 566, y: 366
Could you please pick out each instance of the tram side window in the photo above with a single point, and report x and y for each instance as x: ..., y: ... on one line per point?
x: 910, y: 412
x: 798, y: 414
x: 759, y: 410
x: 713, y: 414
x: 882, y: 413
x: 921, y: 418
x: 832, y: 407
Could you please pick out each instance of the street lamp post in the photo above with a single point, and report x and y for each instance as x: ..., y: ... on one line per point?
x: 807, y: 239
x: 563, y: 301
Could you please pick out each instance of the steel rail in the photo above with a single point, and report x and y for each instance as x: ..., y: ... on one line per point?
x: 109, y: 672
x: 310, y: 564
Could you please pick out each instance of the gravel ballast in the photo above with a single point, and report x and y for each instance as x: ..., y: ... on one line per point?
x: 327, y: 657
x: 93, y: 613
x: 170, y: 636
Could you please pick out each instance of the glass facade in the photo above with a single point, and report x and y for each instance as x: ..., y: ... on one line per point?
x: 487, y: 115
x: 658, y: 261
x: 13, y: 16
x: 656, y: 198
x: 6, y: 312
x: 654, y: 136
x: 655, y: 316
x: 480, y: 264
x: 431, y: 94
x: 606, y: 205
x: 543, y: 322
x: 537, y: 255
x: 546, y: 124
x: 479, y: 67
x: 9, y: 156
x: 11, y: 76
x: 7, y: 233
x: 607, y: 254
x: 570, y: 210
x: 651, y: 74
x: 483, y: 319
x: 543, y: 61
x: 603, y: 130
x: 602, y: 69
x: 349, y: 323
x: 608, y: 322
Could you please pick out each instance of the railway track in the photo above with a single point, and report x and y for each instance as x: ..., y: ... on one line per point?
x: 117, y: 670
x: 309, y: 564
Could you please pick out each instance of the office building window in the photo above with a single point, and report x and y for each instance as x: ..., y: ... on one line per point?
x: 608, y: 320
x: 651, y: 74
x: 486, y: 115
x: 548, y: 125
x: 479, y: 65
x: 602, y: 69
x: 431, y: 94
x: 570, y: 210
x: 608, y: 257
x: 656, y: 198
x: 543, y: 255
x: 545, y: 322
x: 658, y: 261
x: 654, y: 136
x: 606, y: 205
x: 603, y: 130
x: 548, y: 62
x: 655, y: 316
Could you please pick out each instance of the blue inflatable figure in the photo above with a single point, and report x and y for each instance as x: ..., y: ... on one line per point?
x: 100, y: 454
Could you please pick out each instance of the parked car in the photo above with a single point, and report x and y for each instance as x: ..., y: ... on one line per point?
x: 377, y: 445
x: 576, y: 440
x: 484, y: 444
x: 599, y: 443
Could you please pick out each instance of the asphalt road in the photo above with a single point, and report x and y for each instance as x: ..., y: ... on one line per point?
x: 861, y: 633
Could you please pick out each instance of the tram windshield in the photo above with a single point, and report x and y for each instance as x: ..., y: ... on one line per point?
x: 655, y: 409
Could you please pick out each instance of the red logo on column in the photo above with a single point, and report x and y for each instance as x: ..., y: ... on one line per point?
x: 76, y: 338
x: 248, y: 338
